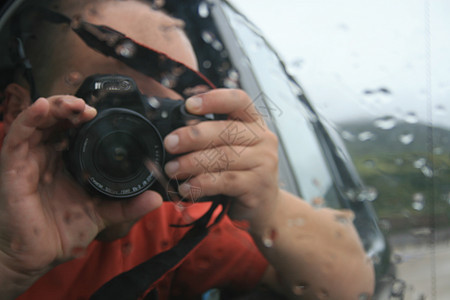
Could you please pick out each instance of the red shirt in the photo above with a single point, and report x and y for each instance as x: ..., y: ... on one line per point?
x: 227, y: 257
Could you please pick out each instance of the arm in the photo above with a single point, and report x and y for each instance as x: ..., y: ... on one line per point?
x: 310, y: 251
x: 315, y: 252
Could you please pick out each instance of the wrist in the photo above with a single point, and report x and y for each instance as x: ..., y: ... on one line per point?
x: 263, y: 223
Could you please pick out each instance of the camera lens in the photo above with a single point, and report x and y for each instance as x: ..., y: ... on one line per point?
x: 119, y: 156
x: 109, y: 152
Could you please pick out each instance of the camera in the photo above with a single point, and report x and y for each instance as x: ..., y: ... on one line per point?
x: 106, y: 155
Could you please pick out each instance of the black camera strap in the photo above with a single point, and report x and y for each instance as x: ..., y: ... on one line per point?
x: 155, y: 64
x: 134, y: 283
x: 169, y: 72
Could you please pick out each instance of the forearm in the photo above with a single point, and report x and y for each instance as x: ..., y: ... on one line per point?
x: 316, y: 252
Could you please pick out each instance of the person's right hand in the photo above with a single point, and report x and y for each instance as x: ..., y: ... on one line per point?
x: 45, y: 217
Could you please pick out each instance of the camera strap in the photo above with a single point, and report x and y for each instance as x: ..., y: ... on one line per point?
x: 155, y: 64
x: 132, y: 285
x: 169, y: 72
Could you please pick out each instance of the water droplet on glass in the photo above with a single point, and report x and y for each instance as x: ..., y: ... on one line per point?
x: 157, y: 4
x: 164, y: 114
x: 343, y: 27
x: 318, y: 202
x: 233, y: 74
x: 231, y: 84
x: 446, y: 197
x: 396, y: 258
x: 411, y: 118
x: 348, y: 136
x: 323, y: 294
x: 385, y: 224
x: 377, y: 96
x: 419, y: 163
x: 206, y: 64
x: 369, y: 163
x: 375, y: 259
x: 126, y: 49
x: 418, y: 201
x: 399, y: 161
x: 427, y: 171
x: 295, y: 222
x: 208, y: 37
x: 232, y: 80
x: 203, y: 10
x: 168, y: 80
x: 268, y: 243
x: 422, y: 232
x: 217, y: 45
x: 385, y: 123
x: 440, y: 109
x: 366, y: 136
x: 269, y: 238
x: 76, y: 22
x: 398, y: 288
x: 351, y: 194
x: 406, y: 138
x: 74, y: 78
x: 341, y: 219
x: 438, y: 150
x: 368, y: 194
x: 299, y: 288
x: 364, y: 296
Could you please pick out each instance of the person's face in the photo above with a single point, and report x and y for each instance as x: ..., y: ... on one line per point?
x: 150, y: 28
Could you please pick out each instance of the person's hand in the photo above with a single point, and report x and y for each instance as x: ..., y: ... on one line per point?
x: 45, y: 217
x: 237, y: 157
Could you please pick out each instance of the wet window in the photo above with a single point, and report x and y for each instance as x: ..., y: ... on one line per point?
x: 279, y: 102
x: 379, y: 71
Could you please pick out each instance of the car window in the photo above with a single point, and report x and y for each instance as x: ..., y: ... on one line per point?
x: 279, y: 102
x: 379, y: 70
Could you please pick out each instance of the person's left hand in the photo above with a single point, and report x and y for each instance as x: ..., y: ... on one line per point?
x: 237, y: 157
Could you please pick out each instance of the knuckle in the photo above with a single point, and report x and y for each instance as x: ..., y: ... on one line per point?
x: 240, y: 96
x: 229, y: 177
x: 191, y: 133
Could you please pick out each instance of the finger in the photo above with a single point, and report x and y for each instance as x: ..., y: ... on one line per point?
x: 68, y: 107
x: 232, y: 102
x: 24, y: 127
x: 212, y: 160
x: 213, y: 134
x: 113, y: 212
x: 44, y: 113
x: 230, y: 183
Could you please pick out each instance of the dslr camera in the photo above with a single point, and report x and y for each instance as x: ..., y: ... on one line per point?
x: 106, y: 155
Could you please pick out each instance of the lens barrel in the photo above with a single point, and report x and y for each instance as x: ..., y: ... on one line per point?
x: 109, y: 153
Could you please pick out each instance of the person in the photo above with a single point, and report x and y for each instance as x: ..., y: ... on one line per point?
x: 59, y: 242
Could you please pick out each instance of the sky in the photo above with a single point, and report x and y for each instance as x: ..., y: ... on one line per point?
x: 360, y: 59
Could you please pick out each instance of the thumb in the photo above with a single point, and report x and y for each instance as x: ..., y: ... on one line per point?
x: 113, y: 212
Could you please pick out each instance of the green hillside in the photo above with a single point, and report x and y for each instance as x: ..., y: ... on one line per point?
x: 409, y: 166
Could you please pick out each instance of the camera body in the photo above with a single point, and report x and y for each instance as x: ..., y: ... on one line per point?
x: 106, y: 155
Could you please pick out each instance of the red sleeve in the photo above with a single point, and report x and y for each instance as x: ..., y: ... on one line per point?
x: 227, y: 258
